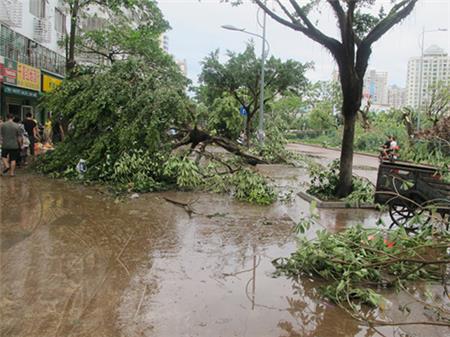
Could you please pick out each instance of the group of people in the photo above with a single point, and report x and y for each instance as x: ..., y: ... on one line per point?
x: 390, y: 148
x: 18, y: 140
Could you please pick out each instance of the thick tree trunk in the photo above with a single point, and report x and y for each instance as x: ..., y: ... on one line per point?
x: 70, y: 63
x: 352, y: 93
x: 346, y: 164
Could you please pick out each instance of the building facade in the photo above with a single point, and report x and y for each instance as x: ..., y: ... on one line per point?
x: 396, y: 97
x: 375, y: 87
x: 424, y: 72
x: 31, y: 60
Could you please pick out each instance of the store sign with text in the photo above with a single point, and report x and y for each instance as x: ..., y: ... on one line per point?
x: 28, y: 77
x: 8, y: 71
x: 49, y: 83
x: 19, y: 92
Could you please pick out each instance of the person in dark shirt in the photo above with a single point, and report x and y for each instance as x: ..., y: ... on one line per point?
x: 385, y: 149
x: 11, y: 143
x: 32, y: 131
x: 57, y: 131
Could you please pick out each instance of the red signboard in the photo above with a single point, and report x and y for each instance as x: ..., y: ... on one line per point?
x: 1, y: 69
x: 8, y: 71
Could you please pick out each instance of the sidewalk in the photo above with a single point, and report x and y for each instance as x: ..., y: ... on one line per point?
x: 363, y: 165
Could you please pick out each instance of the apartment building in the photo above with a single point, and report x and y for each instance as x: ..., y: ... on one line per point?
x: 396, y: 97
x: 31, y: 59
x: 375, y: 87
x: 423, y: 72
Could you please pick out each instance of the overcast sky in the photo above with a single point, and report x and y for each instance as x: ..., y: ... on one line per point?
x: 196, y: 32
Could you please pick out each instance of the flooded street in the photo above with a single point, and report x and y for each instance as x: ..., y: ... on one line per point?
x: 77, y: 262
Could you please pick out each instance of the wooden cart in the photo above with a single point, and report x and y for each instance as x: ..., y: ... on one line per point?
x: 412, y: 192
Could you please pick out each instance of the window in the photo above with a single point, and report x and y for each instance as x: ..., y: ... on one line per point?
x: 37, y: 8
x: 60, y: 21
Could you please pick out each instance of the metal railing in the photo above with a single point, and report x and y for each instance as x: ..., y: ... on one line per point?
x: 19, y: 48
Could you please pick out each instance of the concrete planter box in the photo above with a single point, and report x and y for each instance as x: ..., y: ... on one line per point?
x: 332, y: 204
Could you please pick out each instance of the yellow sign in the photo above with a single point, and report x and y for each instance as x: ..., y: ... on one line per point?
x: 49, y: 83
x: 28, y: 77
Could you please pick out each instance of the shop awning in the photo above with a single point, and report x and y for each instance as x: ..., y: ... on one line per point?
x: 10, y: 90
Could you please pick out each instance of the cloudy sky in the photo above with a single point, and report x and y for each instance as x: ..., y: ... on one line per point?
x: 196, y: 32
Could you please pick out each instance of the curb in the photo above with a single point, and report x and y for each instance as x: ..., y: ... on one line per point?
x: 333, y: 204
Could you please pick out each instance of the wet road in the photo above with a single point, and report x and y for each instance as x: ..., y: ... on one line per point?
x: 363, y: 165
x: 76, y: 262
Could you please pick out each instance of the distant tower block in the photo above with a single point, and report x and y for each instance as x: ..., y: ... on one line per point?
x: 164, y: 42
x: 183, y: 66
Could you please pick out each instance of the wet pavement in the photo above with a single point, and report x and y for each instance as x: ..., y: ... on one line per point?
x: 77, y: 262
x: 363, y: 165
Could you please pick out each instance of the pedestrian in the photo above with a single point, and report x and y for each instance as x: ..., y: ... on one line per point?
x: 31, y: 128
x: 57, y: 131
x: 23, y: 153
x: 11, y: 143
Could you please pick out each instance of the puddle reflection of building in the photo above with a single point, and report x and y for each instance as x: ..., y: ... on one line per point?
x: 335, y: 220
x: 313, y: 316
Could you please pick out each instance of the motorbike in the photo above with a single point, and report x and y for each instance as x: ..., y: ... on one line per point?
x: 391, y: 154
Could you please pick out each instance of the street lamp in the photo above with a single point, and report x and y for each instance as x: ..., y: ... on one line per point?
x: 263, y: 61
x: 421, y: 70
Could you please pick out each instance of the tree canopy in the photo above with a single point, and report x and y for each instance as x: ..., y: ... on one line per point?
x: 239, y: 77
x: 128, y: 27
x: 358, y: 30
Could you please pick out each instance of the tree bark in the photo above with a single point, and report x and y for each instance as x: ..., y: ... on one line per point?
x: 70, y: 63
x: 248, y: 123
x: 352, y: 86
x: 346, y: 165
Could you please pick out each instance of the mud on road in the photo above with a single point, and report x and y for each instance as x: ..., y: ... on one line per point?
x: 75, y: 262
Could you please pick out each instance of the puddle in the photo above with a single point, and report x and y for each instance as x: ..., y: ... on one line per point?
x: 76, y: 263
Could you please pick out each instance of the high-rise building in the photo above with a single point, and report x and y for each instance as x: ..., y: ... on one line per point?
x: 396, y: 97
x: 183, y: 66
x: 164, y: 42
x: 423, y: 72
x: 375, y: 87
x: 31, y: 60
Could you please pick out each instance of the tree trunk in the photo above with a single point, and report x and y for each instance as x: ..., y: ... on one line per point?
x: 70, y: 64
x: 346, y: 165
x: 248, y: 123
x: 352, y: 86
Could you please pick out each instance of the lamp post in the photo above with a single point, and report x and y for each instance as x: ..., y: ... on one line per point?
x: 419, y: 107
x: 263, y: 61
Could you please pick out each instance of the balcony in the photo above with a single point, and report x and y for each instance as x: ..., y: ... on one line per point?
x: 11, y: 13
x: 42, y: 30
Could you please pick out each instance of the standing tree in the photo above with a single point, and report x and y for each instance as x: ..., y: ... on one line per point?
x: 358, y: 31
x: 437, y: 105
x: 139, y: 12
x: 240, y: 77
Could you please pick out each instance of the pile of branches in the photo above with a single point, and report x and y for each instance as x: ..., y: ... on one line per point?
x: 357, y: 263
x: 439, y: 132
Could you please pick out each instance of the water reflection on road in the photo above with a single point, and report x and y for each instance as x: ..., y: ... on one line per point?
x: 75, y: 262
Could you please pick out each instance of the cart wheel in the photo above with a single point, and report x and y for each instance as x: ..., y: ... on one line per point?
x: 402, y: 215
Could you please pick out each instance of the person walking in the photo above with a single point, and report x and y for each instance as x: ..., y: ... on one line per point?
x: 11, y: 144
x: 32, y: 131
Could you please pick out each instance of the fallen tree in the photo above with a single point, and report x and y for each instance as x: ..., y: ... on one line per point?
x: 133, y: 126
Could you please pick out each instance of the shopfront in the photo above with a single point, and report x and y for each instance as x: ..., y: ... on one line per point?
x: 20, y: 88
